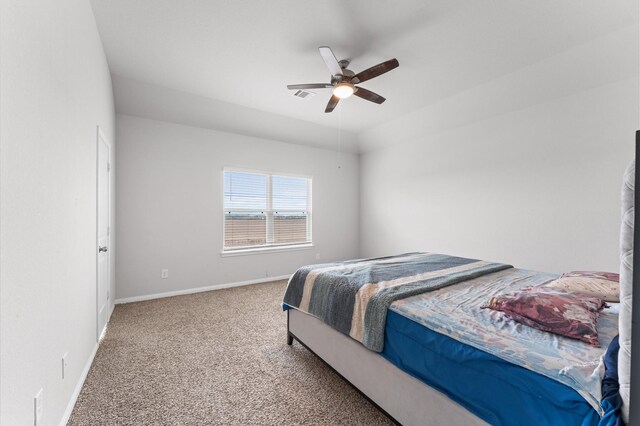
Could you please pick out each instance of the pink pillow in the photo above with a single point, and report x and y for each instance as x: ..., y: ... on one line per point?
x: 555, y: 311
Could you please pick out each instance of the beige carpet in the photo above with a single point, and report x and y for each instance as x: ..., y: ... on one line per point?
x: 213, y: 358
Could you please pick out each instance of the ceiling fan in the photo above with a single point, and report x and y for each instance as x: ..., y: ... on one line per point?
x: 343, y: 80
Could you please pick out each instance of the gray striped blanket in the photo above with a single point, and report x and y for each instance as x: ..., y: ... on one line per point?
x: 353, y: 297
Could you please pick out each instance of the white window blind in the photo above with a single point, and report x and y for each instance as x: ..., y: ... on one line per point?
x: 265, y: 210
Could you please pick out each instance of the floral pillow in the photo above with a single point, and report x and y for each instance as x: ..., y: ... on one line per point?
x: 603, y: 285
x: 556, y: 311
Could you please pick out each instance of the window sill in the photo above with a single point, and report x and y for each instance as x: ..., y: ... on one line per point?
x: 259, y: 250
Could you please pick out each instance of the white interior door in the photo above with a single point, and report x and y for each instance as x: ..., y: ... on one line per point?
x: 103, y: 223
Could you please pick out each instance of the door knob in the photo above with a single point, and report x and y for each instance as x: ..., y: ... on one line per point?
x: 102, y: 249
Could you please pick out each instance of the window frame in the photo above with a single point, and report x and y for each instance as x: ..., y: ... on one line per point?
x: 269, y: 214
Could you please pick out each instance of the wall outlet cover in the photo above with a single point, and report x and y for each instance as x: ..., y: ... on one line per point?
x: 64, y: 364
x: 164, y: 274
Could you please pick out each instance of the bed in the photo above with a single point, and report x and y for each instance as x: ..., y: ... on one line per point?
x: 430, y: 354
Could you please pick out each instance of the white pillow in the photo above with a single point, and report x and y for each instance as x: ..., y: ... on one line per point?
x: 603, y: 285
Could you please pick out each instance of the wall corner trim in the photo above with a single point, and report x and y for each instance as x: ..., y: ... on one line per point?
x: 199, y: 289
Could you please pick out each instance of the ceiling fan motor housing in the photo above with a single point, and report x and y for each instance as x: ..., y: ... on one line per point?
x: 346, y: 76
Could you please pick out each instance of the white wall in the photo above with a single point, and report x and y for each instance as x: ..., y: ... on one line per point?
x: 56, y: 88
x: 169, y: 205
x: 492, y: 176
x: 161, y: 103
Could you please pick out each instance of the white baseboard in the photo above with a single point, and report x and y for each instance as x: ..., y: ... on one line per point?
x: 197, y: 290
x: 76, y: 391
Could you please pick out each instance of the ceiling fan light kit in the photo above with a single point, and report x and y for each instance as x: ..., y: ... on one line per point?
x: 343, y: 90
x: 343, y: 80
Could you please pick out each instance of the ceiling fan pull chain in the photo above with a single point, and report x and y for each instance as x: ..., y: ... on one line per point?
x: 339, y: 134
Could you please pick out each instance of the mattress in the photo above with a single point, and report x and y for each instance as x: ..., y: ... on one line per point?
x: 495, y: 390
x: 456, y: 312
x: 502, y: 371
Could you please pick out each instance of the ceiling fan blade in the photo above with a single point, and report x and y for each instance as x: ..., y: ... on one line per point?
x: 375, y: 71
x: 369, y: 95
x: 332, y: 103
x: 330, y: 59
x: 309, y: 86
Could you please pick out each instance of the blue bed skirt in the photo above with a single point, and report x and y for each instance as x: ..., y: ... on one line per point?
x: 497, y: 391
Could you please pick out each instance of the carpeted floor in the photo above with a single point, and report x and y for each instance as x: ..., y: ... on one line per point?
x: 215, y: 358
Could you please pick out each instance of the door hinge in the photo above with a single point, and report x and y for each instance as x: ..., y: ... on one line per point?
x: 108, y: 230
x: 108, y: 294
x: 108, y: 167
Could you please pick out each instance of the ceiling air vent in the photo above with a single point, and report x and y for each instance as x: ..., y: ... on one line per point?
x: 303, y: 94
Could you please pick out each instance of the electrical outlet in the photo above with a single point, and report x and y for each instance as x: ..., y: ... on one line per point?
x: 317, y: 256
x: 164, y: 274
x: 64, y: 365
x: 37, y: 408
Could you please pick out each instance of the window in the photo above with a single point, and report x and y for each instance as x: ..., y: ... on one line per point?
x: 263, y: 210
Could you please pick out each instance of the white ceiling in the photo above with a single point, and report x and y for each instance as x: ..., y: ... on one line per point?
x: 245, y: 52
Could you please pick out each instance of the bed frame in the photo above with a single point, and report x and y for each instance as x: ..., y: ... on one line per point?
x: 404, y: 399
x: 401, y: 397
